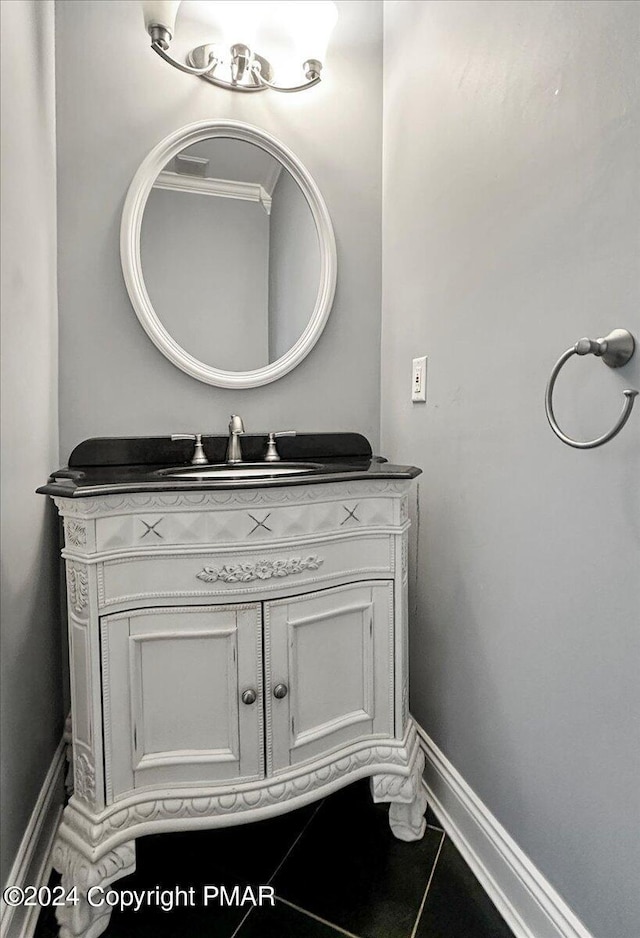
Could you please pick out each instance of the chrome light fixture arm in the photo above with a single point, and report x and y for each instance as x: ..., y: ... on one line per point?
x: 158, y: 47
x: 249, y: 70
x: 312, y: 71
x: 615, y: 350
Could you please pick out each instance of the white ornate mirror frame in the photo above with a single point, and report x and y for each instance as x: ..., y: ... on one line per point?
x: 130, y: 229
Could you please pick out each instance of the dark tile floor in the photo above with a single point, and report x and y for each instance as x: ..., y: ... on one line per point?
x: 336, y: 869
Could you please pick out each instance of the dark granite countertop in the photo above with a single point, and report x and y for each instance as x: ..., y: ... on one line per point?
x: 105, y: 466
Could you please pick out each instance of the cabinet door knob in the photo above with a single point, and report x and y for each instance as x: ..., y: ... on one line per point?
x: 280, y: 691
x: 249, y: 696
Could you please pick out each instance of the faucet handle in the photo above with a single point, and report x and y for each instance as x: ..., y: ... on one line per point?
x: 198, y: 458
x: 272, y: 454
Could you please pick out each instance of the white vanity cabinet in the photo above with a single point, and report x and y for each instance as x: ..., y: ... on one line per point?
x: 234, y: 654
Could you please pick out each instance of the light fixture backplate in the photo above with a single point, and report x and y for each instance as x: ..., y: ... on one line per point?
x: 199, y: 57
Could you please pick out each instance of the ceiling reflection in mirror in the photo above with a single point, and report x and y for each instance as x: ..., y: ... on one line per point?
x: 230, y: 254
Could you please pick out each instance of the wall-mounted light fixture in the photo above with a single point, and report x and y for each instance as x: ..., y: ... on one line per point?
x: 231, y: 60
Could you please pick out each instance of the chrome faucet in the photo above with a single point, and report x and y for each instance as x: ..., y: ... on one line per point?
x: 236, y: 429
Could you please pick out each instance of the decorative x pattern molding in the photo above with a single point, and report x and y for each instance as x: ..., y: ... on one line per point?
x: 258, y: 523
x: 351, y: 514
x: 151, y: 528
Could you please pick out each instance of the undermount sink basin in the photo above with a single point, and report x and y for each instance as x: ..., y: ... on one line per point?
x: 247, y: 470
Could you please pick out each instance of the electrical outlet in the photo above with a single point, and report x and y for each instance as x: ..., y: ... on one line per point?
x: 419, y: 379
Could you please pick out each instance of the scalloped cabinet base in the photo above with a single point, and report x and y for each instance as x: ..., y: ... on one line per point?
x: 203, y: 701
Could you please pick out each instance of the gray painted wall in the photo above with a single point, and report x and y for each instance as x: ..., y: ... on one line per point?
x: 112, y: 108
x: 30, y: 633
x: 511, y: 206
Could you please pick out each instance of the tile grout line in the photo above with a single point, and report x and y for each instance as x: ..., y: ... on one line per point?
x: 293, y: 845
x: 332, y: 925
x: 244, y: 919
x: 429, y: 881
x: 271, y: 878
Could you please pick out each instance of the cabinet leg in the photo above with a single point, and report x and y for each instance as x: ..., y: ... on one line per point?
x: 408, y: 800
x: 407, y: 820
x: 86, y: 914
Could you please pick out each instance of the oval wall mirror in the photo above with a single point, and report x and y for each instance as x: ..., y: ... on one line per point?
x: 228, y: 254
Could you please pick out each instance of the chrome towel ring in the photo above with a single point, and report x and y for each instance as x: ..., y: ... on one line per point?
x: 615, y: 350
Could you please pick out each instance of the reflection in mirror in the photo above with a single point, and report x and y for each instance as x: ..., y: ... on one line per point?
x: 230, y: 254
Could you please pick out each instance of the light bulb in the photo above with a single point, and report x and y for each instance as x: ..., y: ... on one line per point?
x: 160, y: 13
x: 311, y: 24
x: 292, y: 32
x: 237, y: 21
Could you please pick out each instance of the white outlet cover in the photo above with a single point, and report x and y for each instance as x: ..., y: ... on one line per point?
x: 419, y: 380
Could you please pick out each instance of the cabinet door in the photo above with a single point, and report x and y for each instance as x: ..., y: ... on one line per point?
x: 173, y: 680
x: 332, y: 651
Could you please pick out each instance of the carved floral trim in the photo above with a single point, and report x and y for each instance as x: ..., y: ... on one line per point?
x: 76, y: 533
x: 261, y: 570
x: 78, y: 587
x: 385, y: 786
x: 84, y: 777
x: 77, y: 870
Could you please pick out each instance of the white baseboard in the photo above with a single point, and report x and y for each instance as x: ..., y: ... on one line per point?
x: 526, y: 900
x: 32, y: 866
